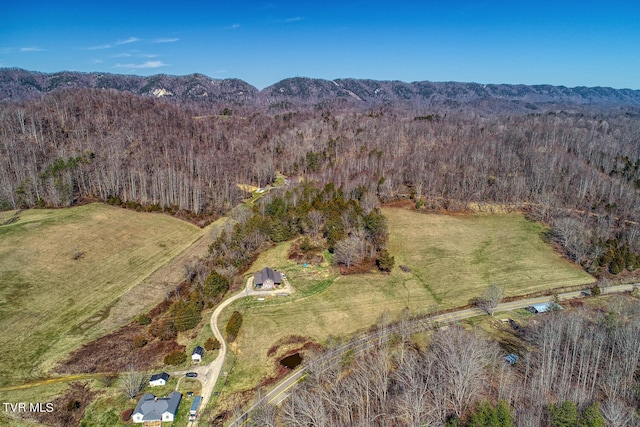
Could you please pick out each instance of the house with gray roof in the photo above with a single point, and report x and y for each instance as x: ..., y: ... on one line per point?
x: 152, y: 408
x: 267, y: 278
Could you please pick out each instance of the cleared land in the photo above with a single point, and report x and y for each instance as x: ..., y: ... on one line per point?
x: 63, y: 270
x: 452, y: 259
x: 457, y: 257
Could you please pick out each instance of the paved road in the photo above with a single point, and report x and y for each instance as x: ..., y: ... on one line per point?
x: 281, y: 391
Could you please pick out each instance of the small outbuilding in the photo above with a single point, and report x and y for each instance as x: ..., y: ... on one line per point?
x: 267, y: 278
x: 511, y: 359
x: 196, y: 355
x: 159, y: 379
x: 544, y: 307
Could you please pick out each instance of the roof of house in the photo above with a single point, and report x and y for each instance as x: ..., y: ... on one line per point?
x: 196, y: 403
x: 267, y: 274
x: 198, y: 350
x: 544, y: 307
x: 152, y: 407
x: 162, y: 375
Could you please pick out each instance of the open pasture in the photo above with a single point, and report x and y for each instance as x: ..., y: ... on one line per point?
x: 62, y: 270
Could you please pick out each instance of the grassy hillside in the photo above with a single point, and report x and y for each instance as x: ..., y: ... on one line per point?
x: 62, y: 270
x: 456, y: 257
x: 452, y: 259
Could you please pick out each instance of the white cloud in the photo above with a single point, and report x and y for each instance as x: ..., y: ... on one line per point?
x: 127, y: 41
x: 232, y: 27
x: 287, y: 20
x: 148, y: 64
x: 111, y: 45
x: 8, y: 50
x: 166, y: 40
x: 134, y: 54
x: 104, y: 46
x: 98, y: 61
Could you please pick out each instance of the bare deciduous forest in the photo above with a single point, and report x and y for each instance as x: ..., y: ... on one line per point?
x: 577, y: 169
x: 575, y: 369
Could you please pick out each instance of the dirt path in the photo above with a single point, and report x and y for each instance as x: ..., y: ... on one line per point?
x: 52, y: 381
x: 213, y: 370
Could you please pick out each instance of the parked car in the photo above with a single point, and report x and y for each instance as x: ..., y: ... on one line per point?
x: 191, y: 374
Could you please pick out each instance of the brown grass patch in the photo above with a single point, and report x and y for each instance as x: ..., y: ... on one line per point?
x: 68, y: 409
x: 115, y: 352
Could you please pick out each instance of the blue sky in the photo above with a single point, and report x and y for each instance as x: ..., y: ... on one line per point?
x: 566, y: 43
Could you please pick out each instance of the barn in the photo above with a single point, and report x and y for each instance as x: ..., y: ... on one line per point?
x: 267, y: 278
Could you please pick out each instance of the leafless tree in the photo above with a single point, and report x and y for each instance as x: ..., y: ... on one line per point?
x: 266, y: 416
x: 490, y: 298
x: 316, y: 221
x: 461, y: 358
x: 348, y: 251
x: 132, y: 382
x: 617, y: 413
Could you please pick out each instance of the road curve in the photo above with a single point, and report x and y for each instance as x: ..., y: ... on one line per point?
x: 213, y: 369
x: 211, y: 372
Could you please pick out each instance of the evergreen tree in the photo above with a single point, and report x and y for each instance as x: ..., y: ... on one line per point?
x: 484, y: 416
x: 591, y: 416
x: 505, y: 417
x: 233, y: 326
x: 385, y: 261
x: 565, y: 415
x: 215, y: 285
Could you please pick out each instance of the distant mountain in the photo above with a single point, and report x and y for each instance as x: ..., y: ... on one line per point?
x: 374, y: 92
x: 18, y: 85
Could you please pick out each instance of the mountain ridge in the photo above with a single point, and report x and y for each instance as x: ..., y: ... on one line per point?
x: 18, y: 85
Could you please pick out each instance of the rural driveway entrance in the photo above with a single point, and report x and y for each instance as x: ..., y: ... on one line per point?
x: 212, y: 371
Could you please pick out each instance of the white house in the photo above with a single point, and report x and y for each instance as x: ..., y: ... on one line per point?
x: 196, y: 356
x: 158, y: 379
x: 152, y: 408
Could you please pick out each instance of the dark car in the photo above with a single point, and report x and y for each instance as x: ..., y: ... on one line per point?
x: 191, y: 374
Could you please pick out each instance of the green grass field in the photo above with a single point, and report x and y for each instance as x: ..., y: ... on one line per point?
x: 452, y: 260
x: 61, y: 271
x: 457, y: 257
